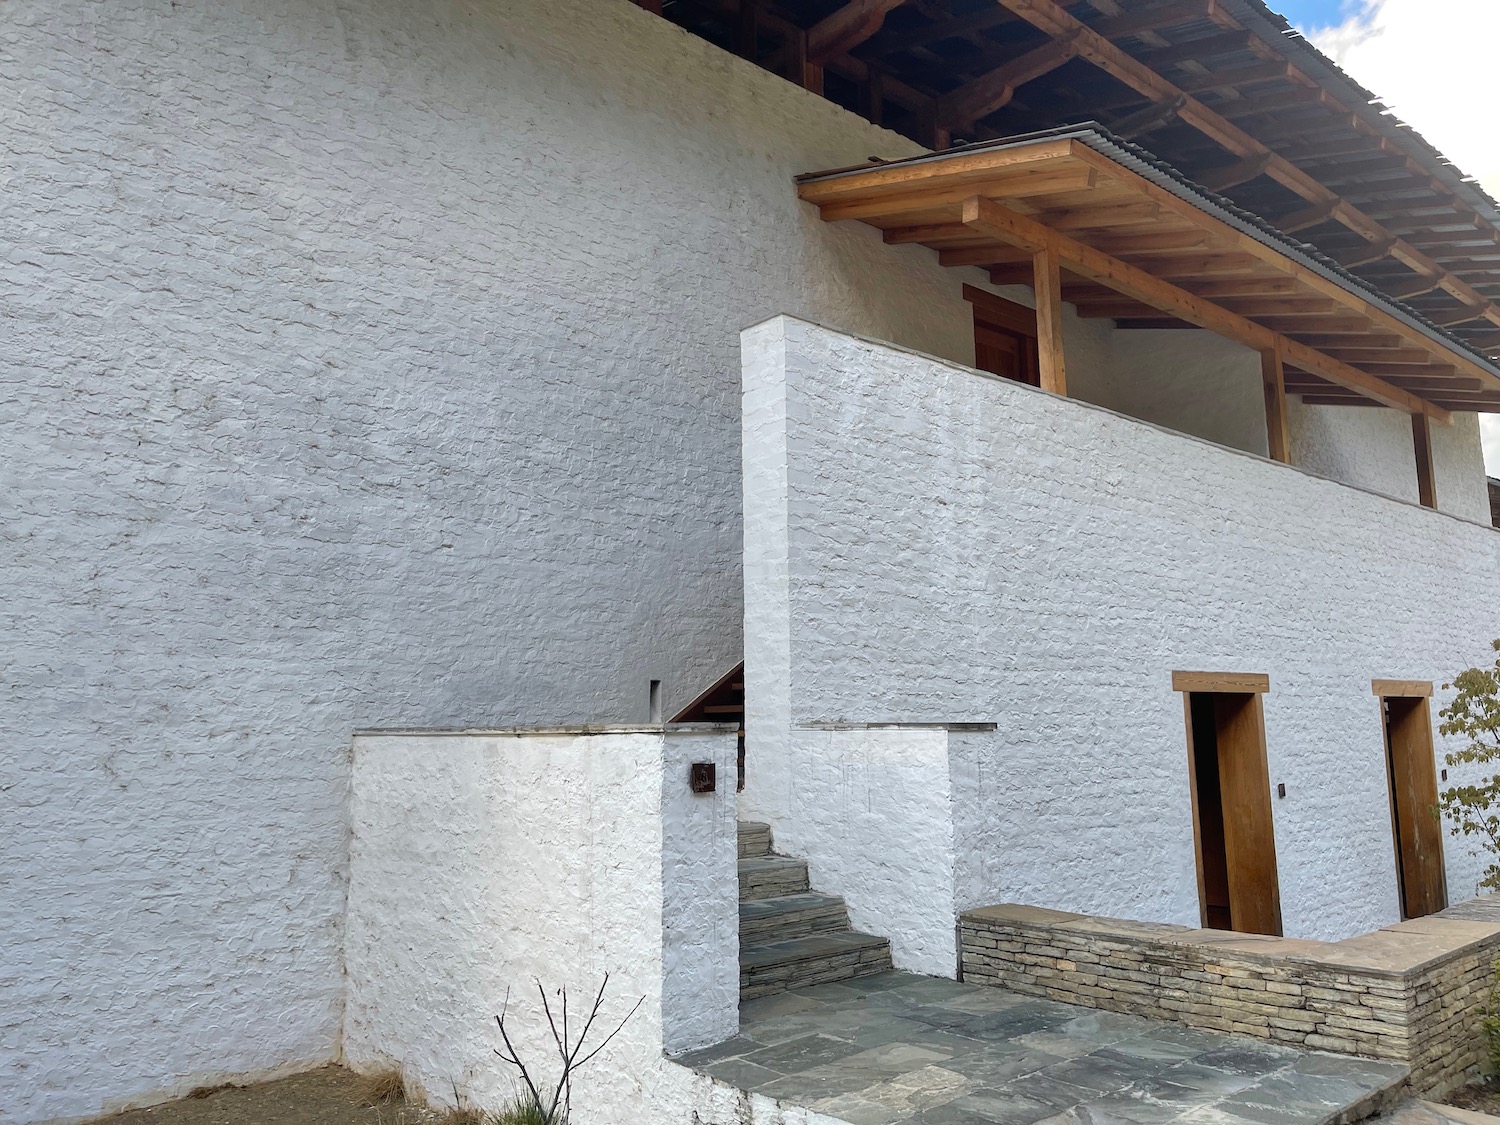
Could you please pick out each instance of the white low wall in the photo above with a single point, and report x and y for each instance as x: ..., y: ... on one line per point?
x: 485, y: 862
x: 925, y: 544
x: 874, y: 807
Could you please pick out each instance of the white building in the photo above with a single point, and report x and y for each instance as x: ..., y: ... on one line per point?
x: 377, y: 365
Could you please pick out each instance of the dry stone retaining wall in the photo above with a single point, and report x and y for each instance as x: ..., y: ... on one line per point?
x: 1411, y: 993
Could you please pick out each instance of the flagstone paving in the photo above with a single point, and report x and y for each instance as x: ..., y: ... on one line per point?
x: 926, y: 1051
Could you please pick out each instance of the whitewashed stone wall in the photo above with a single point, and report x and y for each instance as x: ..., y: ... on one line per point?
x: 875, y: 805
x: 927, y: 545
x: 365, y: 363
x: 486, y: 862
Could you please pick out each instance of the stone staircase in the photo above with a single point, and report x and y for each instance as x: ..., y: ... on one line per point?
x: 790, y: 935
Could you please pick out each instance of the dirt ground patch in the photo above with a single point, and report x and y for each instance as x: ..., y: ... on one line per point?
x: 329, y: 1096
x: 1481, y: 1097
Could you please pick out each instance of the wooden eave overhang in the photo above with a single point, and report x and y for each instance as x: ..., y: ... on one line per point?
x: 1137, y: 245
x: 1222, y: 89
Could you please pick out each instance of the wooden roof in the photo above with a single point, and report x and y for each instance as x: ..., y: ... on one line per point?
x: 1140, y: 245
x: 1221, y: 89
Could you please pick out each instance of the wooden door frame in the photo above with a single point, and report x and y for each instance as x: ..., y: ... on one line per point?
x: 1420, y: 691
x: 1251, y: 684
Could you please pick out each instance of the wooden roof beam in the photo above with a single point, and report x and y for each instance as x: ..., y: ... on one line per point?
x: 846, y: 28
x: 1003, y: 224
x: 1370, y: 252
x: 1233, y: 175
x: 1313, y: 216
x: 1415, y: 288
x: 1155, y: 116
x: 994, y: 90
x: 1455, y: 317
x: 1052, y: 18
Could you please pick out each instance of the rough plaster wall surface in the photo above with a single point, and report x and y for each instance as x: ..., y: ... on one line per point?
x: 367, y: 363
x: 1373, y: 449
x: 1193, y: 381
x: 483, y: 863
x: 1458, y: 469
x: 964, y: 549
x: 854, y: 789
x: 1356, y: 445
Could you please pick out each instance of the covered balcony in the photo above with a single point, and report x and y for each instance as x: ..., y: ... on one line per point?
x: 1076, y: 217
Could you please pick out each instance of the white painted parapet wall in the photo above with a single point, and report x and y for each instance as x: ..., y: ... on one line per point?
x: 482, y: 862
x: 925, y: 544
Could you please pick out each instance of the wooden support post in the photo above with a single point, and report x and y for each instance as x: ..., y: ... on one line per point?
x: 1273, y: 381
x: 1421, y: 433
x: 809, y: 74
x: 1047, y: 275
x: 875, y: 97
x: 747, y: 33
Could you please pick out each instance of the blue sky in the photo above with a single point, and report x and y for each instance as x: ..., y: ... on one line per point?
x: 1431, y: 61
x: 1310, y: 15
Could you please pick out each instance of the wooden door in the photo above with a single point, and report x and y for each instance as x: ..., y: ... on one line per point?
x: 1415, y: 824
x: 1249, y: 836
x: 1005, y: 340
x: 1238, y: 887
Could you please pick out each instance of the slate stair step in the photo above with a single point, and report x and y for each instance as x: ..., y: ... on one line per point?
x: 772, y: 876
x: 755, y: 839
x: 791, y: 916
x: 776, y: 966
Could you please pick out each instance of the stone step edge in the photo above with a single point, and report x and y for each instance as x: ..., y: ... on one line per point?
x: 802, y: 914
x: 1372, y: 1103
x: 788, y: 904
x: 862, y: 942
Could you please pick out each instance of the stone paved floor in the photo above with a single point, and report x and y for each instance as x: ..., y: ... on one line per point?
x: 902, y: 1048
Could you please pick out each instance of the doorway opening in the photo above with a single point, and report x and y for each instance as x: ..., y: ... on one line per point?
x: 1005, y: 337
x: 1411, y: 776
x: 1238, y: 887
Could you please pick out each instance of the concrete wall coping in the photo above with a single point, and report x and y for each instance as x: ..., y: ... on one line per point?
x: 544, y: 732
x: 897, y: 726
x: 1398, y: 951
x: 1084, y: 405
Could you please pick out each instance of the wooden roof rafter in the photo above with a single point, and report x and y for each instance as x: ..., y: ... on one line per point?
x: 1050, y: 17
x: 929, y: 69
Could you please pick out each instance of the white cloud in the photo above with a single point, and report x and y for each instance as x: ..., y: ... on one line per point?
x: 1433, y: 63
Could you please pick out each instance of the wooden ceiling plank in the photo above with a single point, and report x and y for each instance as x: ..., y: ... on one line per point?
x: 931, y: 197
x: 1098, y: 218
x: 1203, y: 47
x: 1243, y: 286
x: 989, y: 255
x: 1337, y: 400
x: 984, y: 165
x: 1229, y: 79
x: 1190, y: 239
x: 1152, y: 19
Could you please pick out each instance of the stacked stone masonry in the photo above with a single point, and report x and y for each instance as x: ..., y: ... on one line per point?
x: 1412, y: 993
